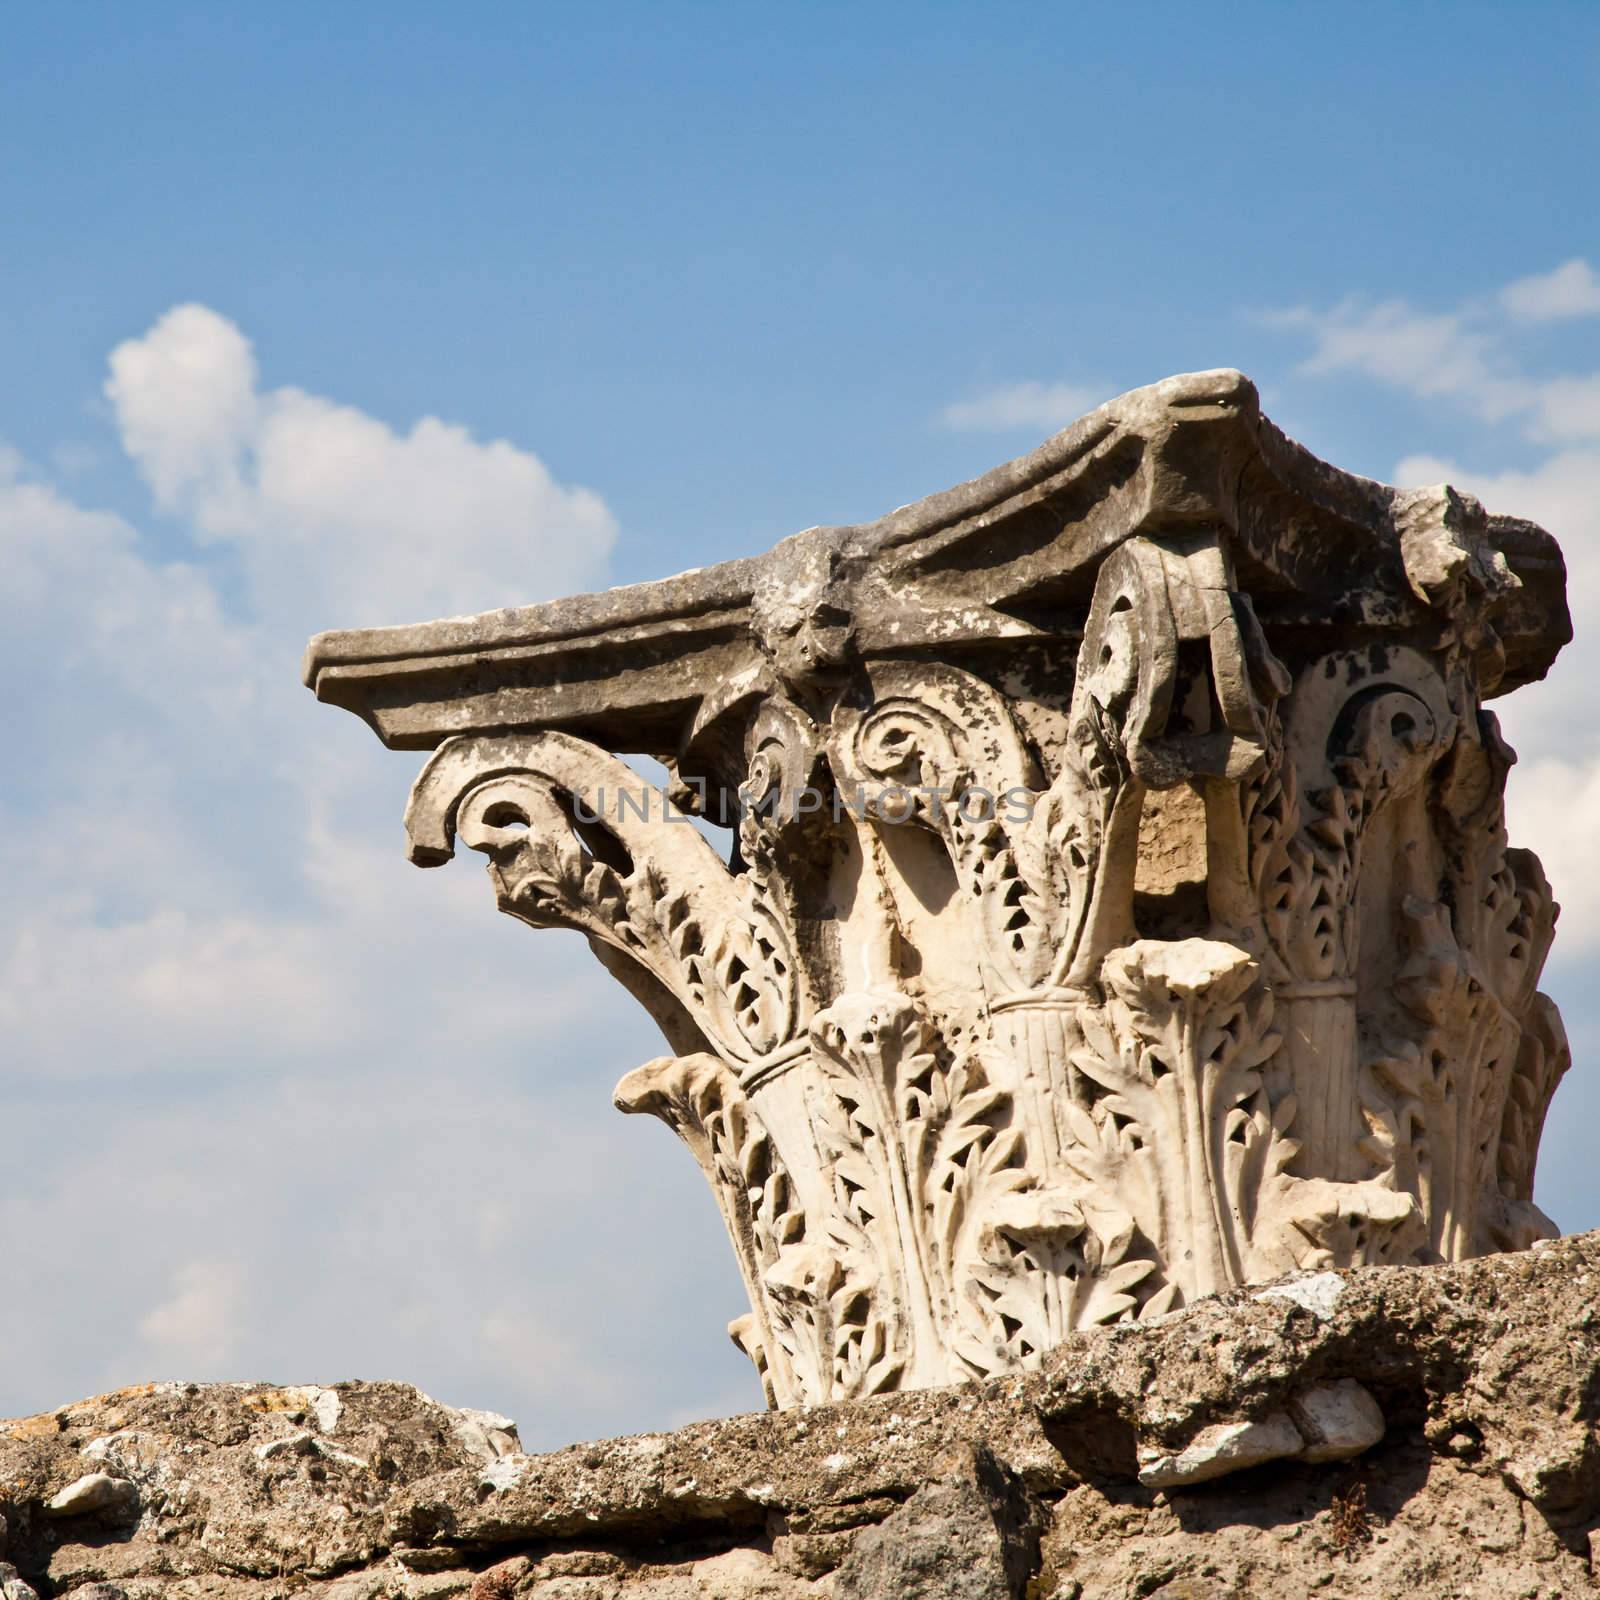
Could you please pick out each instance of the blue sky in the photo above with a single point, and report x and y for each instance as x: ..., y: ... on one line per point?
x: 277, y: 1104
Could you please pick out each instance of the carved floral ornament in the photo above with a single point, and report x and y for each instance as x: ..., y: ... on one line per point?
x: 1116, y: 904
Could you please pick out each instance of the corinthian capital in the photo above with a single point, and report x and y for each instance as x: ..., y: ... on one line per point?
x: 1114, y: 903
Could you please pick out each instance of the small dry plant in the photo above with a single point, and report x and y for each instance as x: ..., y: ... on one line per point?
x: 1350, y: 1522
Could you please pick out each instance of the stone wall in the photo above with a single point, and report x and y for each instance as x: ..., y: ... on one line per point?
x: 1428, y: 1432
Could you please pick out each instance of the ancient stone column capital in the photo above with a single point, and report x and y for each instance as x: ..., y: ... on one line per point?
x: 1113, y: 902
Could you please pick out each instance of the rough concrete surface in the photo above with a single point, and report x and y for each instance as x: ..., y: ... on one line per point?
x: 1485, y: 1481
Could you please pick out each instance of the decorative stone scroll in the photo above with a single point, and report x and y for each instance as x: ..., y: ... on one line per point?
x: 1113, y: 905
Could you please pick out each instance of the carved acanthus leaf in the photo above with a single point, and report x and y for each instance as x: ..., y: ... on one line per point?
x: 576, y: 839
x: 701, y: 1101
x: 938, y: 748
x: 1177, y: 1097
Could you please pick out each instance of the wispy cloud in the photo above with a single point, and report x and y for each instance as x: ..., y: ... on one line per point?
x: 1466, y: 356
x: 1572, y: 290
x: 335, y: 1102
x: 194, y: 1331
x: 328, y: 504
x: 1028, y: 403
x: 1431, y: 354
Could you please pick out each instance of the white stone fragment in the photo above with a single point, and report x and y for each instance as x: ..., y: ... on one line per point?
x: 95, y: 1491
x: 484, y: 1434
x: 1221, y: 1449
x: 1338, y: 1420
x: 505, y: 1472
x: 326, y: 1407
x: 126, y: 1454
x: 292, y: 1444
x: 1318, y: 1294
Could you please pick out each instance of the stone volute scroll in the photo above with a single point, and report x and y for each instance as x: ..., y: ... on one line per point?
x: 1114, y: 903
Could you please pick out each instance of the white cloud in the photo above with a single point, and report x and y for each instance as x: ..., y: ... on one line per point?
x: 1466, y: 356
x: 237, y: 1027
x: 180, y: 820
x: 327, y: 1223
x: 186, y: 402
x: 155, y: 626
x: 194, y: 1331
x: 551, y: 1358
x: 1431, y: 354
x: 1553, y: 805
x: 169, y: 990
x: 1027, y: 404
x: 1571, y: 290
x: 1566, y: 409
x: 339, y: 518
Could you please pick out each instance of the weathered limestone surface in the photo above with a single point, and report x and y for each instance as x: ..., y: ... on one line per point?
x: 1118, y: 905
x: 1481, y: 1480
